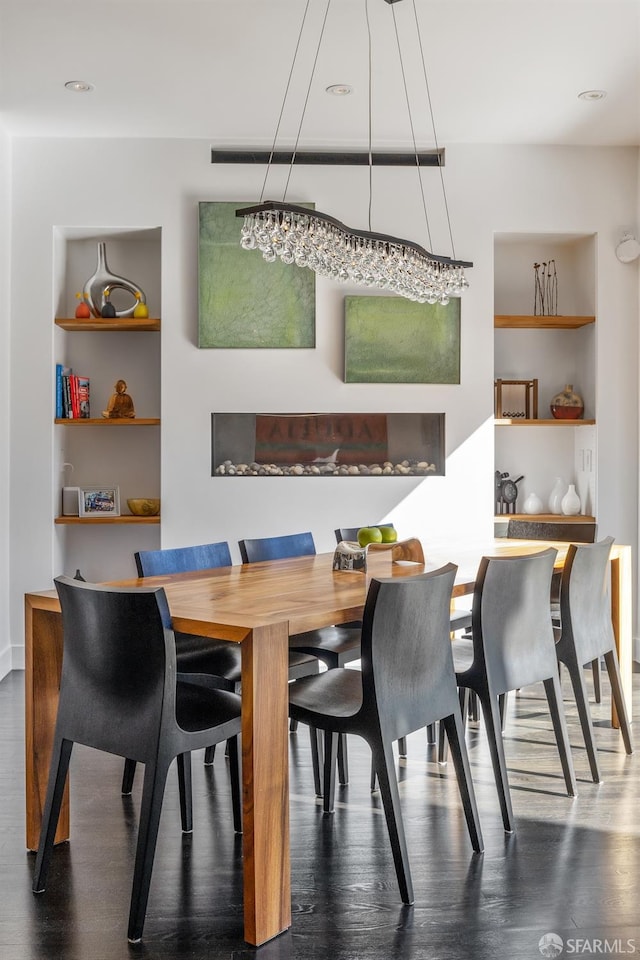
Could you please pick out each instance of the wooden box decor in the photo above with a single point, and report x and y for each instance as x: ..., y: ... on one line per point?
x: 516, y: 399
x: 327, y: 444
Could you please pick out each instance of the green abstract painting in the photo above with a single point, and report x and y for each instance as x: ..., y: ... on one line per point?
x: 393, y: 340
x: 243, y: 301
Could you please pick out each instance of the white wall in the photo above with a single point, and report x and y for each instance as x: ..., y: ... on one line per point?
x: 159, y: 183
x: 5, y: 369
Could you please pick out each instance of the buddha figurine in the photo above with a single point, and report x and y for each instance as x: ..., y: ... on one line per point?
x: 120, y: 405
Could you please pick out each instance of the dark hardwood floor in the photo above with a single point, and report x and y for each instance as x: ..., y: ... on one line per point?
x: 571, y: 868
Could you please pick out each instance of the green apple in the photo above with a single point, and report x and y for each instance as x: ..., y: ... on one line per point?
x: 389, y: 535
x: 369, y: 535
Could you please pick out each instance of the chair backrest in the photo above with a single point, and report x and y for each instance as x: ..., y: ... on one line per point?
x: 204, y: 556
x: 583, y: 532
x: 118, y: 665
x: 408, y: 676
x: 351, y: 533
x: 511, y: 620
x: 585, y: 608
x: 277, y: 548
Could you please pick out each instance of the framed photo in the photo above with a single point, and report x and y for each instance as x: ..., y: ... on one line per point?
x: 99, y: 500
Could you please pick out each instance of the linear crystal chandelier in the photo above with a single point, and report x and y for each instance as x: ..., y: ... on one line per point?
x: 308, y: 238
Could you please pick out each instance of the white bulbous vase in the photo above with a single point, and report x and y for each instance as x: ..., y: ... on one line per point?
x: 557, y: 493
x: 571, y: 502
x: 533, y: 504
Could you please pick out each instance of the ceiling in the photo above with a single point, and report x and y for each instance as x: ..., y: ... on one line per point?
x: 499, y: 71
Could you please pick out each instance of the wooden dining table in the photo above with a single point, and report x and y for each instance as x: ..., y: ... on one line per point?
x: 259, y: 606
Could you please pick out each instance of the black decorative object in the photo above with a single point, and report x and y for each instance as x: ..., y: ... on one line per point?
x: 506, y: 492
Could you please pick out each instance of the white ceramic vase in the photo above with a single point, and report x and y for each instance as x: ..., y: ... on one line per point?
x: 533, y: 504
x: 571, y: 502
x: 557, y: 493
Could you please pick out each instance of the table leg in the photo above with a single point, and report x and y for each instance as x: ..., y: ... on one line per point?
x: 265, y: 782
x: 621, y: 594
x: 43, y: 663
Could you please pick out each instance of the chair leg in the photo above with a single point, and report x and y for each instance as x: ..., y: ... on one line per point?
x: 155, y: 778
x: 491, y: 713
x: 293, y: 726
x: 554, y: 696
x: 597, y: 687
x: 385, y: 768
x: 613, y: 669
x: 576, y: 675
x: 343, y: 760
x: 127, y: 777
x: 51, y: 813
x: 465, y: 695
x: 235, y: 774
x: 316, y: 759
x: 455, y: 735
x: 402, y: 746
x: 502, y: 704
x: 431, y: 733
x: 209, y: 755
x: 186, y: 792
x: 329, y: 777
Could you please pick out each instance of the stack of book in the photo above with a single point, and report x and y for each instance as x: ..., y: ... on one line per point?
x: 72, y: 395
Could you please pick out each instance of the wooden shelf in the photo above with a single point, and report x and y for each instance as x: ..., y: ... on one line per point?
x: 520, y: 422
x: 126, y: 518
x: 108, y: 325
x: 507, y: 321
x: 103, y: 422
x: 544, y: 517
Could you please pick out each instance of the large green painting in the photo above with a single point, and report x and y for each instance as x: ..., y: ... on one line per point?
x: 393, y: 340
x: 243, y: 301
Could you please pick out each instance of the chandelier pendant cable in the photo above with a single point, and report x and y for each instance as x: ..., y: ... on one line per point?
x: 308, y: 238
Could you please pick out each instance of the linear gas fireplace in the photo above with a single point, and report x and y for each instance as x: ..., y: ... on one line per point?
x: 327, y: 444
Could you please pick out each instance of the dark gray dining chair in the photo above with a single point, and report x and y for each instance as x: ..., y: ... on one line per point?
x: 208, y: 661
x: 513, y: 646
x: 119, y: 694
x: 571, y: 531
x: 407, y: 680
x: 585, y: 632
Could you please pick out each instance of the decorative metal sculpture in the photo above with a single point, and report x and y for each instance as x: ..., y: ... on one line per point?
x: 103, y: 282
x: 545, y: 297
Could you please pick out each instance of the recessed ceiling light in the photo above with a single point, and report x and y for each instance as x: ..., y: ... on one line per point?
x: 592, y: 95
x: 79, y: 86
x: 339, y: 89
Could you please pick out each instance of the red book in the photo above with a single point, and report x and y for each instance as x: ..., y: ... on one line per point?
x: 75, y: 408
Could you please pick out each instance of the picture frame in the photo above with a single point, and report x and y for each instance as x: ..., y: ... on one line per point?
x: 393, y: 340
x: 243, y: 301
x: 99, y: 500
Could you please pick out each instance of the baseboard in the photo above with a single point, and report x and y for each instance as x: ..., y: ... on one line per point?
x: 17, y: 657
x: 6, y: 661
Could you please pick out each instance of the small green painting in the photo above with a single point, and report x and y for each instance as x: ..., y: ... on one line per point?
x: 243, y: 301
x: 393, y: 340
